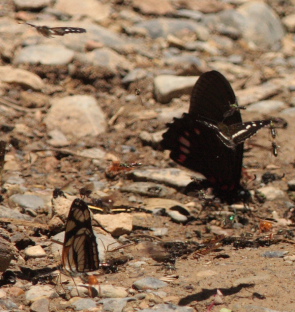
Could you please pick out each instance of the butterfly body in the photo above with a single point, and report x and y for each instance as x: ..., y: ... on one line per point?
x: 206, y: 141
x: 57, y: 31
x: 80, y: 251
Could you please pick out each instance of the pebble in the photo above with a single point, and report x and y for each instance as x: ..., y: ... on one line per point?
x: 272, y: 193
x: 115, y: 305
x: 21, y: 77
x: 110, y: 291
x: 44, y: 54
x: 15, y: 291
x: 149, y: 283
x: 82, y: 304
x: 13, y: 213
x: 31, y: 4
x: 274, y: 254
x: 76, y: 116
x: 162, y: 27
x: 6, y: 254
x: 9, y: 305
x: 169, y: 205
x: 123, y: 224
x: 148, y: 189
x: 28, y: 201
x: 40, y: 291
x: 266, y: 107
x: 35, y: 252
x: 258, y: 93
x: 153, y: 6
x: 168, y: 307
x: 95, y: 153
x: 171, y: 176
x: 289, y: 22
x: 58, y: 139
x: 105, y: 57
x: 168, y: 87
x: 91, y: 8
x: 41, y: 305
x: 152, y: 139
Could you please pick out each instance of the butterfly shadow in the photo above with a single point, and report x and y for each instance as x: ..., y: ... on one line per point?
x: 207, y: 293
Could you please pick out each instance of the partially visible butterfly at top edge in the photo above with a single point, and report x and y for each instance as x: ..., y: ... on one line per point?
x: 80, y: 251
x: 209, y: 138
x: 57, y: 31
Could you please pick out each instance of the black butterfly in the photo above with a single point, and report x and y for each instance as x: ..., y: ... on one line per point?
x: 80, y: 252
x: 57, y: 31
x: 207, y: 142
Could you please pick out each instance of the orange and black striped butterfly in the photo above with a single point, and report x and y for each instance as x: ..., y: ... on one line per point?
x: 57, y: 31
x: 80, y: 251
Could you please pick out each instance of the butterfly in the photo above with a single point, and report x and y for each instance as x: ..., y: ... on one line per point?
x: 80, y: 251
x: 208, y: 139
x: 57, y: 31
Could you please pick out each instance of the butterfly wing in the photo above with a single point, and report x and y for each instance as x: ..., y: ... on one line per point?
x: 196, y: 146
x: 243, y: 131
x: 60, y: 31
x: 80, y: 252
x: 212, y: 97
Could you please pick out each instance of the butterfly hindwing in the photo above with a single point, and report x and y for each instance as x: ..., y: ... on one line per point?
x: 80, y: 251
x: 198, y: 148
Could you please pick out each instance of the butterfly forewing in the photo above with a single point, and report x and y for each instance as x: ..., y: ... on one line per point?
x: 57, y: 31
x: 243, y: 131
x: 80, y: 252
x: 212, y: 97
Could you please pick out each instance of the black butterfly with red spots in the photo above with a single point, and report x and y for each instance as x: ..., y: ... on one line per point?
x: 209, y: 140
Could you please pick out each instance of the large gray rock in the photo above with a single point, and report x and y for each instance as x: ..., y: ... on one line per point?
x: 248, y: 19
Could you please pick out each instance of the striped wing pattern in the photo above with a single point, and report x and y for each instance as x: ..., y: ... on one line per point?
x: 80, y: 251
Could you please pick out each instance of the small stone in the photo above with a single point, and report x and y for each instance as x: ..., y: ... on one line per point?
x: 274, y: 254
x: 289, y: 22
x: 28, y: 201
x: 289, y: 258
x: 115, y: 305
x: 76, y: 116
x: 41, y: 305
x: 123, y: 224
x: 110, y: 291
x: 45, y: 54
x: 21, y: 77
x: 168, y: 87
x: 154, y: 6
x: 258, y: 93
x: 58, y: 139
x: 168, y: 307
x: 82, y: 304
x: 105, y: 57
x: 40, y: 291
x: 171, y: 176
x: 35, y: 252
x: 272, y: 193
x: 31, y: 4
x: 149, y: 283
x: 266, y: 107
x: 91, y: 8
x: 148, y: 189
x: 95, y: 153
x: 15, y: 291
